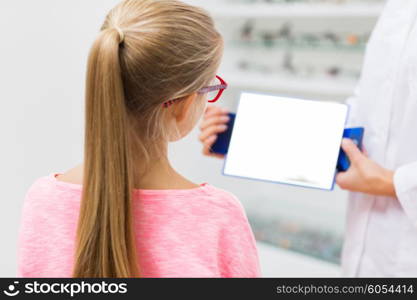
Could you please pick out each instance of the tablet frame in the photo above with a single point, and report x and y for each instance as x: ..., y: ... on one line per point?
x: 282, y: 182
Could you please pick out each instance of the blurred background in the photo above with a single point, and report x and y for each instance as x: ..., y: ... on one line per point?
x: 304, y: 48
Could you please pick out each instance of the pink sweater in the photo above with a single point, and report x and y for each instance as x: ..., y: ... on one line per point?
x: 200, y: 232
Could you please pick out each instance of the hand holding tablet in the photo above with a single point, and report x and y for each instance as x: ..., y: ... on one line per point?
x: 285, y: 140
x: 356, y: 135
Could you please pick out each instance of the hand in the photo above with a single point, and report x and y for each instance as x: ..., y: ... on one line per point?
x: 365, y: 175
x: 214, y: 122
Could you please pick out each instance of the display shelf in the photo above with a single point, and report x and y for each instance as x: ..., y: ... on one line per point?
x: 285, y: 233
x: 292, y: 10
x: 320, y: 86
x: 299, y: 46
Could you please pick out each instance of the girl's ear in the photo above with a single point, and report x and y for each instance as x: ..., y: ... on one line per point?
x: 182, y: 108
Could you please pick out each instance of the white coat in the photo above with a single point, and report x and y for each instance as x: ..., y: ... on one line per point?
x: 381, y: 234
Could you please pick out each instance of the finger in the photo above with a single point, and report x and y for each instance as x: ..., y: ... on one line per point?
x: 215, y: 110
x: 214, y: 120
x: 365, y: 151
x: 341, y: 179
x: 351, y: 150
x: 213, y: 130
x: 208, y: 143
x: 216, y: 155
x: 207, y: 148
x: 221, y: 156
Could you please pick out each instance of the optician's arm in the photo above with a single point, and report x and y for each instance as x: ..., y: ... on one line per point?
x: 368, y: 177
x: 405, y: 182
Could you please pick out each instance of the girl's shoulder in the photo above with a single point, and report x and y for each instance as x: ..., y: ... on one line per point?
x: 41, y: 184
x: 225, y: 200
x: 222, y: 196
x: 45, y: 189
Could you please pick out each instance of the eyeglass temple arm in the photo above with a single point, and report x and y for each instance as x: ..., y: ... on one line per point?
x: 223, y: 85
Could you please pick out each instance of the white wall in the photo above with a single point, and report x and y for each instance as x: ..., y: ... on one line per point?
x: 43, y: 51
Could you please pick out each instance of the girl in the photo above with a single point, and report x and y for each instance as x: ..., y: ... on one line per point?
x: 125, y: 212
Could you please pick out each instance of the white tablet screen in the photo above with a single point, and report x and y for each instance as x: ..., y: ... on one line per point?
x: 286, y: 140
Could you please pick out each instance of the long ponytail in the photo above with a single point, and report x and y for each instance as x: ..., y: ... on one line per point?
x: 105, y: 245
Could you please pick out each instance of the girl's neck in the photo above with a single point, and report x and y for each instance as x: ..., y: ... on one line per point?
x: 161, y: 175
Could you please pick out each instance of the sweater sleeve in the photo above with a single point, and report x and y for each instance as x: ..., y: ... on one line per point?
x: 239, y: 255
x: 27, y: 231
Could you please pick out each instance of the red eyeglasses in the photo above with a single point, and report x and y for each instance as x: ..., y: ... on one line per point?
x: 214, y: 92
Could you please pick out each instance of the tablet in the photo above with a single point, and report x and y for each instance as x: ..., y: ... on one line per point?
x: 286, y: 140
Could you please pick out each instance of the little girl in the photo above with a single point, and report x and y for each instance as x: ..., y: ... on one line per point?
x: 125, y: 212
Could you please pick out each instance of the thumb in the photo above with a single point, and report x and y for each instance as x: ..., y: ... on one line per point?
x: 341, y: 178
x: 351, y: 150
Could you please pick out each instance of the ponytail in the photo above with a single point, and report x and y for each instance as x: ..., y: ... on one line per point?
x: 105, y: 243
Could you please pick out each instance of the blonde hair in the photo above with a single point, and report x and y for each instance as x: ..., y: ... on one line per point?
x: 147, y: 52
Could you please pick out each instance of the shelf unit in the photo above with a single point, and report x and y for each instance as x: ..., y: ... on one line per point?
x: 253, y: 82
x: 232, y: 12
x: 300, y: 47
x: 294, y: 10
